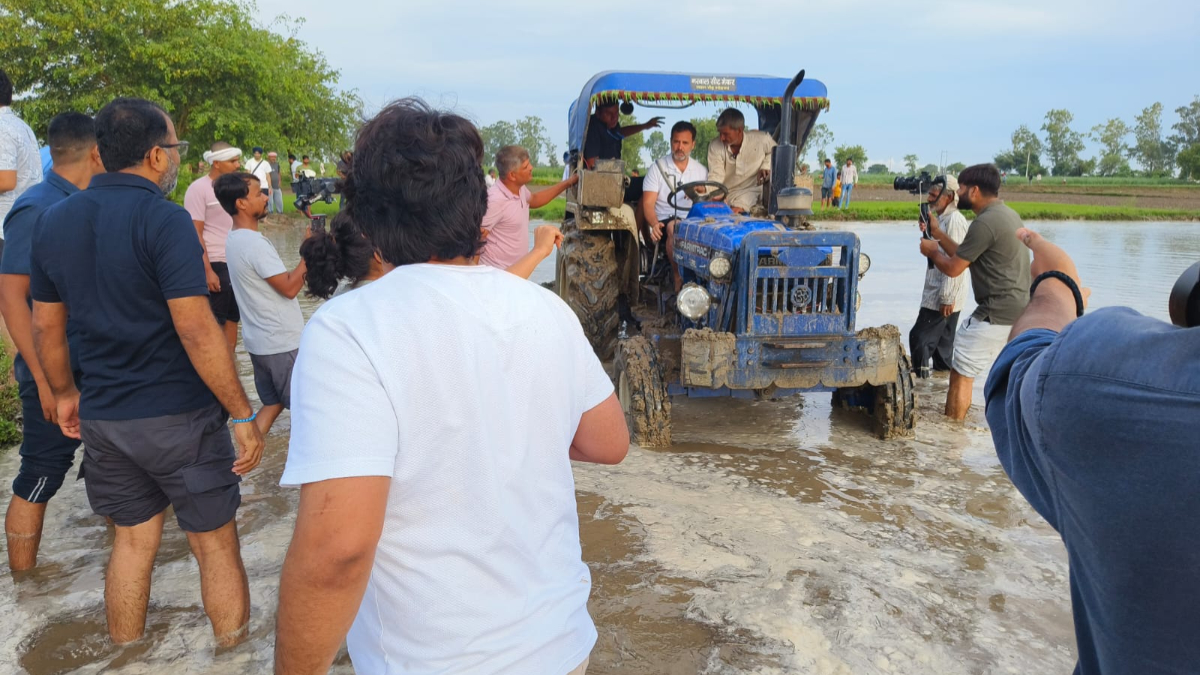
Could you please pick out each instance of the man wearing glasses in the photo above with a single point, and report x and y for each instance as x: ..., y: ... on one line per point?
x: 158, y: 380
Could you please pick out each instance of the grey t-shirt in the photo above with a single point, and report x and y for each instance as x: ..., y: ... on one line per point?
x: 271, y: 323
x: 275, y: 179
x: 999, y: 264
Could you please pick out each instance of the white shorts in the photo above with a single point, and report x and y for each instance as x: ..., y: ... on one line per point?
x: 977, y: 345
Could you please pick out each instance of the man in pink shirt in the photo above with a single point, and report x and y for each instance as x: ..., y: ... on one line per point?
x: 212, y: 226
x: 506, y: 223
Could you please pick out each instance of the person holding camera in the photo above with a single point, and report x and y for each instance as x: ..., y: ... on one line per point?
x: 999, y: 276
x: 1094, y: 420
x: 931, y: 339
x: 267, y: 291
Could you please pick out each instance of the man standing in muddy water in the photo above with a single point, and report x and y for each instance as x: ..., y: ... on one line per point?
x: 156, y: 370
x: 437, y: 529
x: 999, y: 277
x: 46, y: 453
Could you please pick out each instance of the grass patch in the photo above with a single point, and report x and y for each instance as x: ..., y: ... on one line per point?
x: 10, y: 405
x: 552, y: 212
x: 880, y: 179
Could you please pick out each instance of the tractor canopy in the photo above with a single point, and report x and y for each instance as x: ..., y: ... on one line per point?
x: 683, y: 90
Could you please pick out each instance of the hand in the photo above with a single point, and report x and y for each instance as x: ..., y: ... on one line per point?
x: 922, y: 226
x: 250, y: 447
x: 214, y: 281
x: 1047, y: 257
x: 763, y: 175
x: 929, y: 248
x: 68, y: 413
x: 737, y: 209
x: 653, y: 123
x: 933, y: 223
x: 546, y: 238
x: 947, y: 310
x: 49, y: 404
x: 590, y: 163
x: 573, y: 180
x: 656, y: 231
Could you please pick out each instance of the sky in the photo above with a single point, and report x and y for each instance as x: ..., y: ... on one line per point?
x: 946, y: 80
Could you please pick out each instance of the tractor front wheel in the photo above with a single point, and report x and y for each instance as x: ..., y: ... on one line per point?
x: 642, y: 391
x: 892, y: 406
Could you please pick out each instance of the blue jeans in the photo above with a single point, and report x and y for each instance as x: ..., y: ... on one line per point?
x: 846, y: 189
x: 276, y: 203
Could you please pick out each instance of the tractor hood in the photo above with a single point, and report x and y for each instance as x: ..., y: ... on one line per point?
x: 711, y: 228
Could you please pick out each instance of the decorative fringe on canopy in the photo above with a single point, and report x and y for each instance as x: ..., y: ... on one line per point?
x: 814, y: 103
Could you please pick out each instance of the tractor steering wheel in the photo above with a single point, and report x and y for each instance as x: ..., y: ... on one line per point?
x: 719, y: 191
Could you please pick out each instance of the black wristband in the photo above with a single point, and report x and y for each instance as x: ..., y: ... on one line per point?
x: 1066, y: 279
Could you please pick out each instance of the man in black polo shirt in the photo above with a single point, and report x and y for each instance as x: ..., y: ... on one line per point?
x: 46, y: 453
x: 605, y: 135
x: 128, y: 267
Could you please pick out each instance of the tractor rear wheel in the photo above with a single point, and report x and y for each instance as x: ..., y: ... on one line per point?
x: 642, y: 391
x: 588, y: 281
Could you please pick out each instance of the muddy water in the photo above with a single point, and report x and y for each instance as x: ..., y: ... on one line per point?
x: 774, y: 537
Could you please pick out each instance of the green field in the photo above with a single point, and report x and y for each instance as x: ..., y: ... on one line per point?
x: 881, y: 179
x: 907, y: 211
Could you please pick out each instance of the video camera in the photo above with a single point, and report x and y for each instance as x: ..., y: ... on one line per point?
x: 1184, y: 302
x: 309, y: 190
x: 916, y: 185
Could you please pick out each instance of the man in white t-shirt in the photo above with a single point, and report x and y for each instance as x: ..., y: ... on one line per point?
x: 266, y: 291
x: 849, y: 179
x: 434, y: 417
x: 665, y: 175
x: 260, y: 168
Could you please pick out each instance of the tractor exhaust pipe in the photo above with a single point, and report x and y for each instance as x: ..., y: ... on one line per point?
x: 787, y: 120
x: 786, y: 203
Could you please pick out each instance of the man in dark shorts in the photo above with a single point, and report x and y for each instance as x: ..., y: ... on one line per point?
x: 158, y: 376
x: 46, y: 454
x: 213, y: 226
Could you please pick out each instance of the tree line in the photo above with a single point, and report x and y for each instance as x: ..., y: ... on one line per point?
x: 219, y: 75
x: 1144, y: 142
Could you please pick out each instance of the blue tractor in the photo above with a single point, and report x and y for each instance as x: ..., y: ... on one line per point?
x: 768, y: 305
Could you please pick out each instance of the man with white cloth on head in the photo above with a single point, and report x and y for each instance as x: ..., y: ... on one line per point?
x: 740, y: 160
x: 212, y: 226
x: 665, y: 175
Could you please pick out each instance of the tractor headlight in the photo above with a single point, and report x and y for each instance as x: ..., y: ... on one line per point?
x: 693, y: 301
x: 864, y: 264
x: 720, y: 267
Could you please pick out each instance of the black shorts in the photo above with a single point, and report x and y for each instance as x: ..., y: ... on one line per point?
x: 133, y: 469
x: 224, y: 305
x: 273, y: 377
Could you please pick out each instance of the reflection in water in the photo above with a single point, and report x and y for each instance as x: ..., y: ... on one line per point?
x: 773, y: 537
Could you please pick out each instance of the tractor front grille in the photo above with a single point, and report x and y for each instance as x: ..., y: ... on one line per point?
x: 782, y: 296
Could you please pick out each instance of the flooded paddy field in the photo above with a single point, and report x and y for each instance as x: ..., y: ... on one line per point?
x: 773, y: 537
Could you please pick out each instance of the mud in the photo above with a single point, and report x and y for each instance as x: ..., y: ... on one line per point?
x: 643, y: 394
x: 772, y: 537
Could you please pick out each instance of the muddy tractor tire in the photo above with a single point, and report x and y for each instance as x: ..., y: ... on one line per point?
x: 588, y: 280
x: 642, y: 391
x: 892, y: 406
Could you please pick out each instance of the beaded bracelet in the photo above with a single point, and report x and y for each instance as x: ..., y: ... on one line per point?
x: 248, y: 419
x: 1070, y: 283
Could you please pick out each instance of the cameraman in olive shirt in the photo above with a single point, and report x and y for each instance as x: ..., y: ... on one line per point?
x: 999, y: 277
